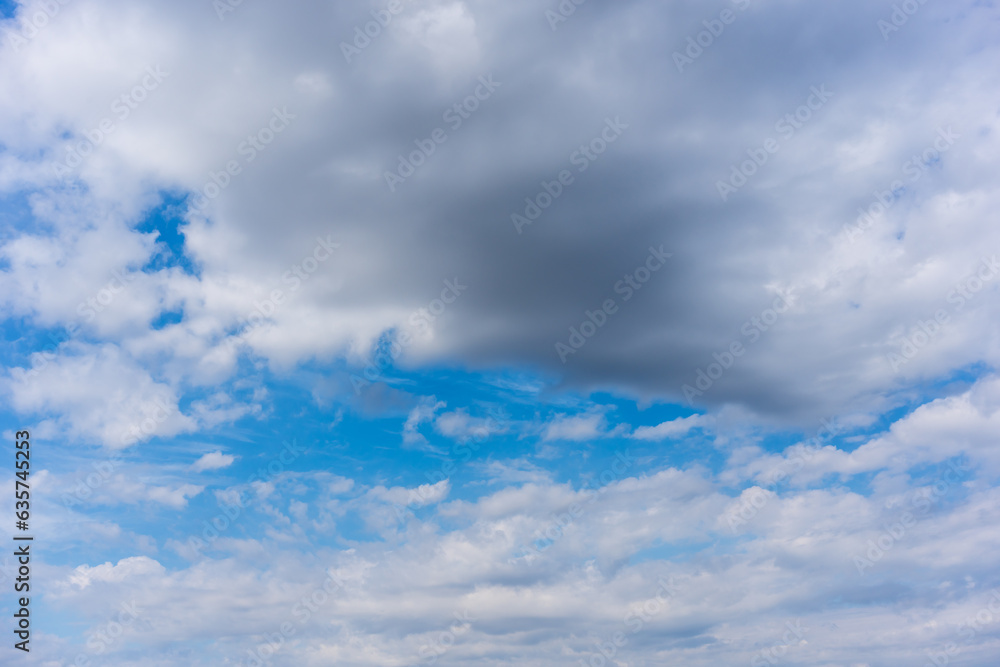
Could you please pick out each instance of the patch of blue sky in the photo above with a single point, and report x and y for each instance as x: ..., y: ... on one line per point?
x: 21, y: 339
x: 7, y: 8
x: 167, y: 220
x: 366, y: 446
x: 15, y: 218
x: 166, y: 319
x: 361, y: 435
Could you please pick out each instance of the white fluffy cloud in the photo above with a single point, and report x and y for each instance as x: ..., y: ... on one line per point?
x: 99, y: 393
x: 213, y: 461
x: 515, y: 575
x: 577, y: 428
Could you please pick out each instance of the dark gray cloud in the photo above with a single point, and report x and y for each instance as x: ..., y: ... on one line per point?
x: 656, y: 184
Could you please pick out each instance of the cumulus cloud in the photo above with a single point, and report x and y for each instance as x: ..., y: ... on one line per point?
x: 124, y: 570
x: 518, y: 560
x: 100, y: 393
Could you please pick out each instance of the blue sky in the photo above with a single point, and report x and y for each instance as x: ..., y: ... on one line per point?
x: 620, y: 353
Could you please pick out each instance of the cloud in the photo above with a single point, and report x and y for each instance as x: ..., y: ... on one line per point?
x: 127, y: 568
x: 418, y: 415
x: 173, y: 497
x: 459, y: 425
x: 516, y: 471
x: 526, y: 548
x: 405, y: 244
x: 100, y: 394
x: 672, y: 429
x: 421, y: 496
x: 942, y: 429
x: 829, y: 258
x: 213, y: 461
x: 577, y: 428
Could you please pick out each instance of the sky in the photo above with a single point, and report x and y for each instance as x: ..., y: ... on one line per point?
x: 459, y: 332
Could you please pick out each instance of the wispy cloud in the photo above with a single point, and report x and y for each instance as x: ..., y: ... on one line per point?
x: 675, y: 428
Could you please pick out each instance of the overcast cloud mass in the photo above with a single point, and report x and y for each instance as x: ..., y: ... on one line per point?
x: 469, y: 332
